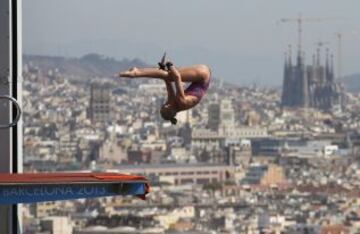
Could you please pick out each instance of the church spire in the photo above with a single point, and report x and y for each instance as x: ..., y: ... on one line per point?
x: 332, y: 67
x: 314, y: 61
x: 300, y: 58
x: 318, y: 57
x: 290, y: 55
x: 327, y: 66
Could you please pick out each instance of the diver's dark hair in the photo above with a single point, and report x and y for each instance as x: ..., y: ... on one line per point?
x: 173, y: 120
x: 168, y: 114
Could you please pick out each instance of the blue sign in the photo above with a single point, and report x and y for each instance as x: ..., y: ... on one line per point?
x: 12, y: 194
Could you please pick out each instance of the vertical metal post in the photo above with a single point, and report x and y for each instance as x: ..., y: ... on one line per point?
x: 17, y: 93
x: 10, y: 70
x: 5, y: 134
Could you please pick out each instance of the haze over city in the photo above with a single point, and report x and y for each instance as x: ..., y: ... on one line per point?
x: 240, y: 40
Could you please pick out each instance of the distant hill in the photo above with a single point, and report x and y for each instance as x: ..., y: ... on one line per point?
x: 352, y: 83
x: 88, y: 66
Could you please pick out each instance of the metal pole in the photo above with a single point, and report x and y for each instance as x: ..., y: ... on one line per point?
x: 10, y: 70
x: 5, y: 134
x: 17, y: 94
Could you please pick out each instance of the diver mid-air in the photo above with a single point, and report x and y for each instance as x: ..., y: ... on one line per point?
x: 197, y: 75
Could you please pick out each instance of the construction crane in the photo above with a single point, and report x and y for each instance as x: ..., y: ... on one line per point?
x: 299, y: 20
x: 339, y: 36
x: 339, y: 54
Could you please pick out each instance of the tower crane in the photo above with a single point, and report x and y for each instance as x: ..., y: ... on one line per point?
x: 339, y: 54
x: 300, y: 20
x: 339, y: 37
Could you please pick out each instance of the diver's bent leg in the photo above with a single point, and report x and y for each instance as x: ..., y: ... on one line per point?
x: 152, y: 73
x: 145, y: 72
x: 196, y: 73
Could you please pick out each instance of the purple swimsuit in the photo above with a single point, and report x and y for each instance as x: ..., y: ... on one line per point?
x: 198, y: 89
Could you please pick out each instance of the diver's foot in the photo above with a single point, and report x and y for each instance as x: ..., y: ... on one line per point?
x: 131, y: 73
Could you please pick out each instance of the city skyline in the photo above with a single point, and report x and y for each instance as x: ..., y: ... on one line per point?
x: 237, y: 163
x: 243, y: 156
x: 236, y: 44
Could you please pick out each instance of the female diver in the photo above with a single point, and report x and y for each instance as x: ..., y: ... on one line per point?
x: 197, y: 75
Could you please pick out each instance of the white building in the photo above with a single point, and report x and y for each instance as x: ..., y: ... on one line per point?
x: 227, y: 114
x: 208, y: 139
x: 57, y: 225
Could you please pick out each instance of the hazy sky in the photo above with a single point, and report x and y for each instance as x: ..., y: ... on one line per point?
x: 239, y: 39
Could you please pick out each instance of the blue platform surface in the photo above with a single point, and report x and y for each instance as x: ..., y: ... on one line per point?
x: 30, y: 188
x: 11, y: 194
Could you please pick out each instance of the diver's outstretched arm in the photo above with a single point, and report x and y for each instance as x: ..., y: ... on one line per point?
x: 176, y: 76
x: 170, y: 92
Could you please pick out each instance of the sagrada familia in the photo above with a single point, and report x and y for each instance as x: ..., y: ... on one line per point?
x: 313, y: 85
